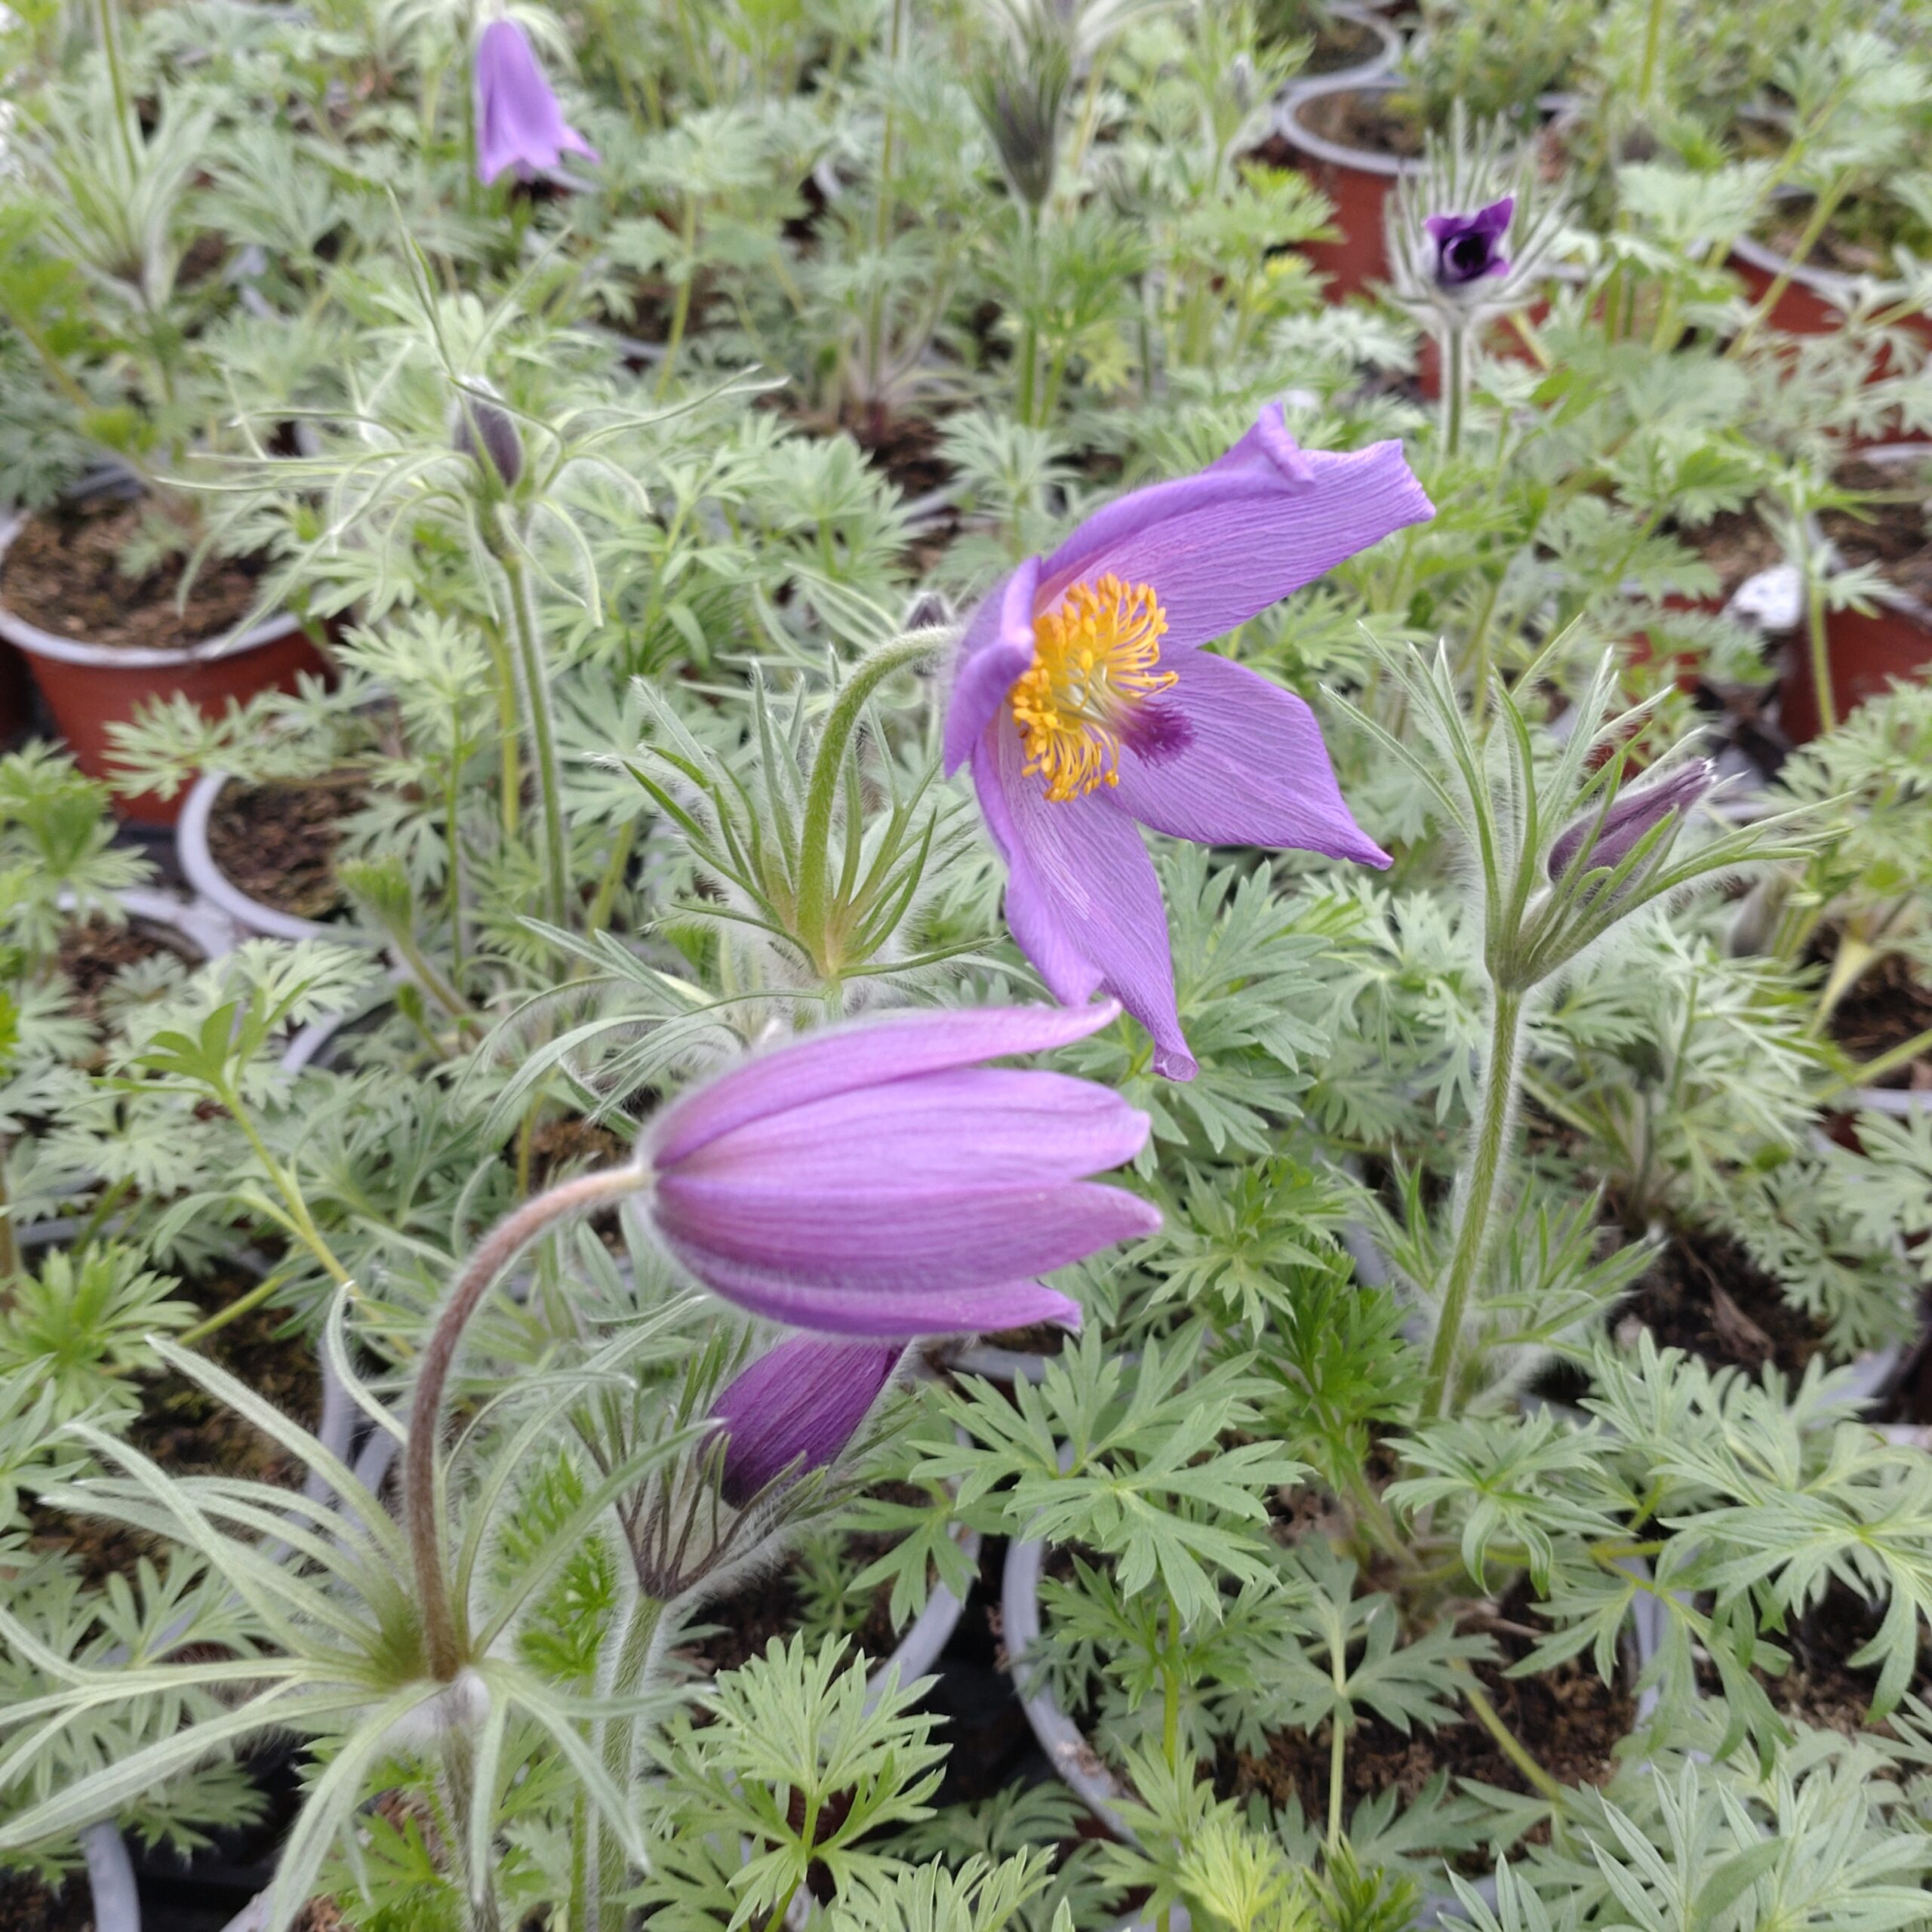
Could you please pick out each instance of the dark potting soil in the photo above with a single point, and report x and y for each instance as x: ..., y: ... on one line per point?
x: 189, y: 1432
x: 1568, y: 1719
x: 1704, y: 1294
x: 28, y: 1905
x: 1383, y: 120
x: 773, y: 1605
x: 1858, y: 240
x: 93, y: 952
x: 1886, y: 1007
x: 1341, y: 42
x: 906, y: 448
x: 63, y: 573
x: 1735, y: 546
x: 1894, y: 536
x: 277, y: 843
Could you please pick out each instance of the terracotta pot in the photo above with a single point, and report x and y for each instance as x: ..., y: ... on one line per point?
x: 1358, y: 180
x: 89, y: 687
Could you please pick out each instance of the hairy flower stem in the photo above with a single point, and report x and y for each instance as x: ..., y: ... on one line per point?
x: 1455, y: 338
x: 1646, y: 77
x: 618, y: 1750
x: 492, y: 1256
x: 822, y: 791
x: 1821, y: 654
x: 460, y: 1777
x: 533, y: 683
x: 1493, y: 1128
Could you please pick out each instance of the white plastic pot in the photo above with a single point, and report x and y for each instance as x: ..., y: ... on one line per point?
x: 197, y: 865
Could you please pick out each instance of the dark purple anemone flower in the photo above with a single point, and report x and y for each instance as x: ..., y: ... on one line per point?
x: 1469, y: 248
x: 873, y: 1180
x: 796, y: 1407
x: 519, y: 123
x: 1089, y: 709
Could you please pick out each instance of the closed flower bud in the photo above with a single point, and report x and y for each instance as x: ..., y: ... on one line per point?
x: 1601, y: 841
x: 796, y: 1408
x: 928, y: 611
x: 1021, y: 99
x: 488, y: 435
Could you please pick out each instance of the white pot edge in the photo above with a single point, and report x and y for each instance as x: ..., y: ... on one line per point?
x: 191, y: 848
x: 1363, y: 13
x: 37, y: 643
x: 1288, y: 124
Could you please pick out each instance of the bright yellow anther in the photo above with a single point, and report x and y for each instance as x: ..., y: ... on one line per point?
x: 1095, y: 659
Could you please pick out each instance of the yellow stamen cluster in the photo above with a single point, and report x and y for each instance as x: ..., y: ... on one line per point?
x: 1094, y: 664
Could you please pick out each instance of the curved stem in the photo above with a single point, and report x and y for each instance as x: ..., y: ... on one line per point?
x: 492, y: 1255
x: 1512, y: 1746
x: 1492, y: 1126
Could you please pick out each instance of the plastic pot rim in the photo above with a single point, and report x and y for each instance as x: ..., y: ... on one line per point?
x: 37, y: 643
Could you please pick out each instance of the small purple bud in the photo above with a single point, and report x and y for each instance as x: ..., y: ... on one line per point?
x: 927, y: 611
x: 488, y: 434
x: 1631, y: 815
x: 796, y: 1408
x: 518, y: 123
x: 1469, y: 248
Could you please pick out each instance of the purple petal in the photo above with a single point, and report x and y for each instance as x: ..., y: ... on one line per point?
x: 975, y: 1127
x: 1494, y: 219
x: 1265, y: 519
x: 1081, y: 898
x: 885, y: 1239
x: 796, y: 1408
x: 1250, y: 769
x: 891, y: 1313
x: 996, y: 649
x: 519, y: 123
x: 840, y: 1059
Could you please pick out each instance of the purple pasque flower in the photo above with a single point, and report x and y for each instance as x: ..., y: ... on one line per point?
x: 874, y: 1180
x: 796, y: 1407
x: 1088, y: 708
x: 1601, y: 840
x: 519, y: 123
x: 1469, y: 248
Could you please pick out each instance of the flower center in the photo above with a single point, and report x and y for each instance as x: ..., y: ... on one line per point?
x: 1095, y: 659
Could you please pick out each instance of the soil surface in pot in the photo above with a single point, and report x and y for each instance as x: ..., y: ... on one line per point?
x: 94, y: 952
x: 1341, y: 42
x: 1886, y: 1007
x: 28, y: 1905
x: 1568, y: 1716
x: 1704, y: 1294
x: 1380, y: 119
x: 62, y: 573
x: 276, y: 843
x: 1893, y: 536
x: 1735, y: 546
x: 773, y: 1604
x: 188, y: 1431
x: 1853, y: 242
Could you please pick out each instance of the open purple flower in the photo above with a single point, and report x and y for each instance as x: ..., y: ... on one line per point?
x: 519, y: 123
x: 1469, y: 248
x: 874, y: 1180
x: 796, y: 1407
x: 1089, y: 709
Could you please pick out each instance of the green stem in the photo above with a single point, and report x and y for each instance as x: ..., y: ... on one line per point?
x: 888, y: 141
x: 1338, y: 1746
x: 1454, y: 337
x: 533, y: 686
x: 10, y: 1247
x: 1821, y: 215
x: 117, y: 79
x: 681, y: 307
x: 460, y: 1772
x: 1493, y: 1127
x: 300, y: 1219
x: 453, y: 833
x: 504, y: 666
x: 1511, y: 1745
x: 621, y: 845
x: 1653, y: 38
x: 1821, y: 654
x: 1890, y: 1061
x: 620, y: 1749
x: 493, y: 1254
x: 821, y: 793
x: 189, y: 1338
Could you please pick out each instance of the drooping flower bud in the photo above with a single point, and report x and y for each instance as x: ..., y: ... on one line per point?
x: 1601, y: 841
x: 518, y: 123
x: 927, y: 611
x: 796, y: 1408
x: 1469, y: 248
x: 485, y: 433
